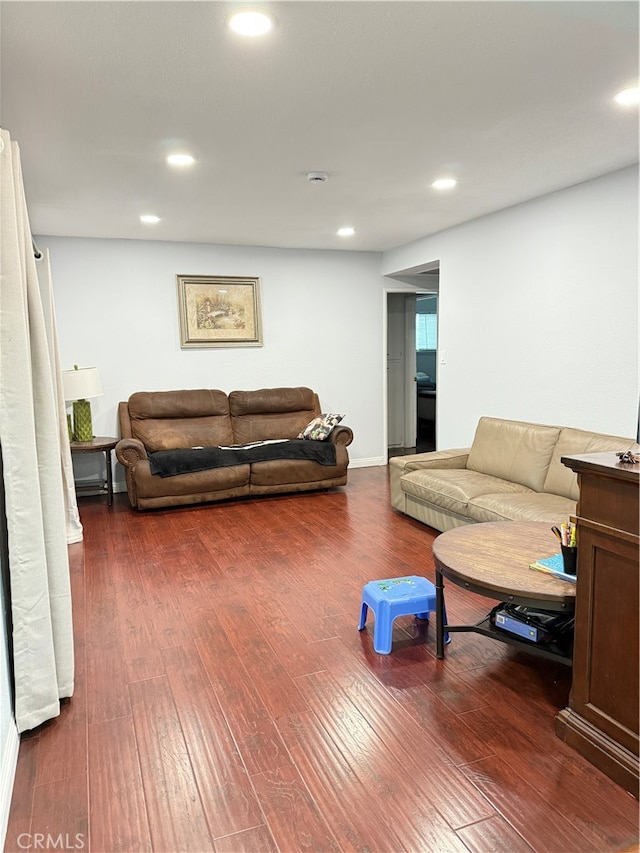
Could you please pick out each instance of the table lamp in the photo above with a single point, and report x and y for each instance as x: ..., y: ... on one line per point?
x: 80, y: 384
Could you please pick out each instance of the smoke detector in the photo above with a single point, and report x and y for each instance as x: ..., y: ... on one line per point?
x: 317, y: 177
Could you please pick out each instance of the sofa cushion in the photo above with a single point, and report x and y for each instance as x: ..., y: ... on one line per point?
x: 561, y: 480
x: 453, y: 488
x: 319, y: 428
x: 168, y: 420
x: 198, y: 403
x: 199, y: 482
x: 271, y: 413
x: 515, y: 451
x: 172, y: 434
x: 294, y: 472
x: 529, y: 506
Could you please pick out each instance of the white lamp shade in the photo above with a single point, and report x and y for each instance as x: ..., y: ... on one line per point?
x: 81, y: 384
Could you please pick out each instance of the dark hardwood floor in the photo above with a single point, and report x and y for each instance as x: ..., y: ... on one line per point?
x: 225, y: 700
x: 425, y: 441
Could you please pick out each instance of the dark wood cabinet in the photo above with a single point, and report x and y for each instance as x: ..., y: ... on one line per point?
x: 601, y: 721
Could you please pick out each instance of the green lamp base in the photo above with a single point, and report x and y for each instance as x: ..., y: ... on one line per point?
x: 82, y: 427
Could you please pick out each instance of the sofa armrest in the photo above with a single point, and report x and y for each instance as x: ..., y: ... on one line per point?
x: 341, y: 435
x: 401, y: 465
x: 130, y: 451
x: 455, y: 458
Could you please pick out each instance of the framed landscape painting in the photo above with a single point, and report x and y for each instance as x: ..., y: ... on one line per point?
x: 219, y: 311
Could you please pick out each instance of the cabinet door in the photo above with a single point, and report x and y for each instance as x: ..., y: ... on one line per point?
x: 605, y: 663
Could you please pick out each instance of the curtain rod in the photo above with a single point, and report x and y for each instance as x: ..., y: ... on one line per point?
x: 36, y: 251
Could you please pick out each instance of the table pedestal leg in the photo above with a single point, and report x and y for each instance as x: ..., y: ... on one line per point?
x: 439, y: 615
x: 107, y: 454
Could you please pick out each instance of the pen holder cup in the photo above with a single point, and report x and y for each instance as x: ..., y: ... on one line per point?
x: 569, y: 559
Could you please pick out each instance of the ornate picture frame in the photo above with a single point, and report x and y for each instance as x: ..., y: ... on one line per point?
x: 219, y: 311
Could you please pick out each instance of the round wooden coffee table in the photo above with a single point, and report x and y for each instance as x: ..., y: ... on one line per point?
x: 492, y: 559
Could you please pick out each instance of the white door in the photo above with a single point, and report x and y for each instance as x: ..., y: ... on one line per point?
x: 395, y: 369
x: 401, y: 388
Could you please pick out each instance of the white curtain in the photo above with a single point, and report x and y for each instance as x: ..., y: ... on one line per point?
x: 74, y: 527
x: 33, y: 464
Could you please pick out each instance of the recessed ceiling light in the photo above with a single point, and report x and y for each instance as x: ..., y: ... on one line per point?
x: 347, y: 231
x: 628, y: 97
x: 180, y: 160
x: 444, y: 184
x: 149, y: 219
x: 250, y: 23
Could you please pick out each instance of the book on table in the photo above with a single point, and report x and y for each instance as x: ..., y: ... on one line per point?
x: 552, y: 566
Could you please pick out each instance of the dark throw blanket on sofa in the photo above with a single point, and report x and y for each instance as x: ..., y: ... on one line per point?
x: 169, y: 463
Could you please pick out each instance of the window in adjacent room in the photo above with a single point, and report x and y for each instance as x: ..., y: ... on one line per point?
x: 426, y: 331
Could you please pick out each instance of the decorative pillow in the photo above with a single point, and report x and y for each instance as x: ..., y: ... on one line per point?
x: 319, y: 428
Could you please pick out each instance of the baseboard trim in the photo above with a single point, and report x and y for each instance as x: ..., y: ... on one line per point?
x: 372, y: 462
x: 7, y: 777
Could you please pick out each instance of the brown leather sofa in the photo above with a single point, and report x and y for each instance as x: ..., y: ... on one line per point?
x: 153, y: 421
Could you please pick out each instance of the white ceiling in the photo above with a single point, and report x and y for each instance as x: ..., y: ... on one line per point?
x: 511, y: 98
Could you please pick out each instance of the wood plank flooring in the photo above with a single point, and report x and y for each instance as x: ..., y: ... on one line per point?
x: 225, y: 700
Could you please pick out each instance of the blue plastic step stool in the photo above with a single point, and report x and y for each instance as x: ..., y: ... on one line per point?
x: 395, y: 597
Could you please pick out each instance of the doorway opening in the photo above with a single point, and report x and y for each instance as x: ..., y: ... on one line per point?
x: 411, y: 362
x: 426, y: 370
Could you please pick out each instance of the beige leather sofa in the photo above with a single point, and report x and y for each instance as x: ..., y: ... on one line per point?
x: 157, y: 422
x: 512, y: 471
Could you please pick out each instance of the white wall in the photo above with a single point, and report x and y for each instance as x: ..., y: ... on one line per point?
x: 538, y: 316
x: 538, y: 311
x: 116, y: 306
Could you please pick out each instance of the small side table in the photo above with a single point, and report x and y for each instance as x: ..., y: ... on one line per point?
x: 98, y: 444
